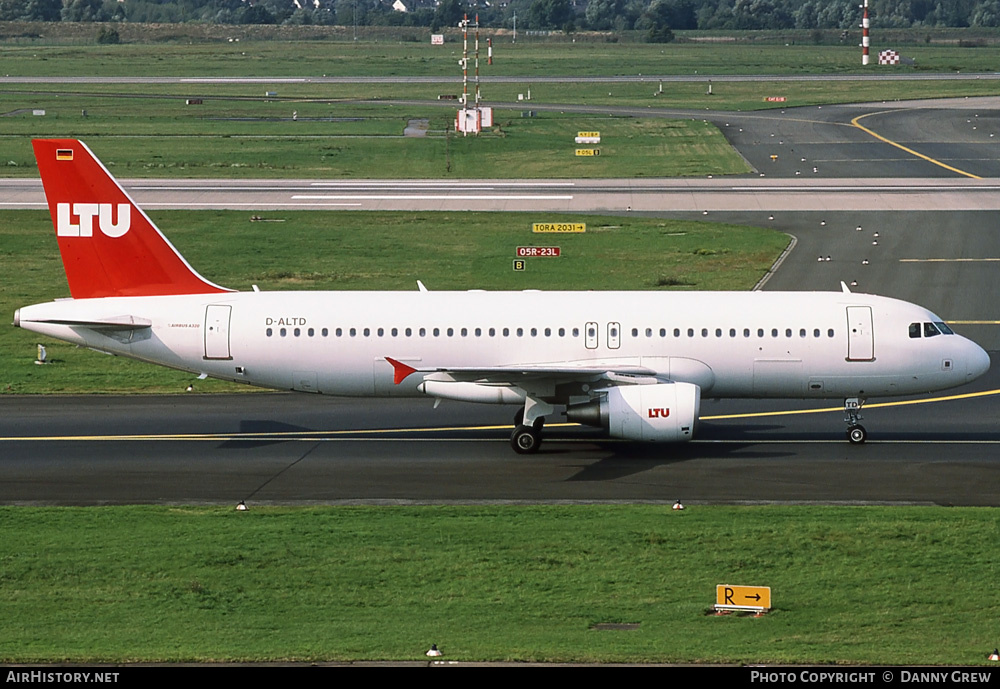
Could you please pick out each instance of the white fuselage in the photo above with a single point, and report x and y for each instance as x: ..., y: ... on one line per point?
x: 730, y: 344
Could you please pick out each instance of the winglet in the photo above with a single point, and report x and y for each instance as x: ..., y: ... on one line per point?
x: 400, y: 371
x: 844, y: 287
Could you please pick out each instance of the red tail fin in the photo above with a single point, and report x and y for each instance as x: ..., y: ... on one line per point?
x: 109, y: 247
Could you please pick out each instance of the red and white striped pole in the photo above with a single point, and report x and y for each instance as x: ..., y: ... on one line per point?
x: 864, y: 36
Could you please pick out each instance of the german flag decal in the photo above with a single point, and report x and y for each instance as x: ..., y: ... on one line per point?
x: 64, y: 154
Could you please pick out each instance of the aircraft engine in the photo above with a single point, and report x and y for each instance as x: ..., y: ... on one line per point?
x: 665, y: 412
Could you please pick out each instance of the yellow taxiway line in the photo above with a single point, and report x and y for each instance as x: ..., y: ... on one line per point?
x: 904, y: 148
x: 320, y: 435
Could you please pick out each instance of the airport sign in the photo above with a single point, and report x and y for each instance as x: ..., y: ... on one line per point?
x: 537, y: 251
x: 728, y: 597
x: 558, y: 227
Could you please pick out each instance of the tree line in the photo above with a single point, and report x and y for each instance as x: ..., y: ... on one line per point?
x: 657, y: 17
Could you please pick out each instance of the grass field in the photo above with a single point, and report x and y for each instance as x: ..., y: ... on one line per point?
x: 163, y: 138
x: 263, y: 58
x: 357, y: 250
x: 850, y: 585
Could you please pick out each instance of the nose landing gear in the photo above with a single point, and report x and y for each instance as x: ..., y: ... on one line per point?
x: 856, y: 433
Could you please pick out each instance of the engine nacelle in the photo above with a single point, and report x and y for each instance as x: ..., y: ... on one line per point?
x: 665, y: 412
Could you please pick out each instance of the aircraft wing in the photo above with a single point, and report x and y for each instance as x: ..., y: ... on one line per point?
x: 526, y: 374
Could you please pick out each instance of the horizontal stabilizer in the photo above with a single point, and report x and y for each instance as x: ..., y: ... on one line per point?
x: 113, y: 323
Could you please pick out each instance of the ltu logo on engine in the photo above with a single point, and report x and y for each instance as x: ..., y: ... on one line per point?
x: 658, y: 412
x: 85, y: 213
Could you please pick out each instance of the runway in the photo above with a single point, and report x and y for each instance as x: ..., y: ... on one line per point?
x: 563, y: 196
x: 935, y: 219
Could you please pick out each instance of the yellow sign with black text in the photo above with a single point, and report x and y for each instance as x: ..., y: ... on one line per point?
x: 587, y: 152
x: 743, y: 597
x: 559, y: 227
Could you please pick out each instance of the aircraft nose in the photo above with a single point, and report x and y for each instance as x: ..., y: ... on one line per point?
x: 978, y: 361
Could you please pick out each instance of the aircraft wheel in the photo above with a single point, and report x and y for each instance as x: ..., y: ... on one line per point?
x: 525, y: 440
x: 857, y: 434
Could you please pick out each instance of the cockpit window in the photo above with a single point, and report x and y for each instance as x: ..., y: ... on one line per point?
x: 929, y: 329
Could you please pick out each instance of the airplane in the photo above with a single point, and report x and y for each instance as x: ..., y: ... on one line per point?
x: 636, y: 364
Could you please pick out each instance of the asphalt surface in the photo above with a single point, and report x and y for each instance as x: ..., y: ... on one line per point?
x: 295, y: 449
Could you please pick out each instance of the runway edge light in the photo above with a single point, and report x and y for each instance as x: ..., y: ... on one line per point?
x: 434, y: 652
x: 995, y: 655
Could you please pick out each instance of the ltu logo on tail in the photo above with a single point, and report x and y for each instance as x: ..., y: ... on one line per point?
x: 658, y: 412
x: 85, y: 213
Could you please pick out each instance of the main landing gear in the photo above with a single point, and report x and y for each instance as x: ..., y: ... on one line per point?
x: 528, y: 422
x: 856, y: 433
x: 526, y: 439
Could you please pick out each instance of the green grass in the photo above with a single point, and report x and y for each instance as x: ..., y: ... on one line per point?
x: 154, y: 137
x: 377, y: 251
x: 419, y: 58
x: 861, y: 585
